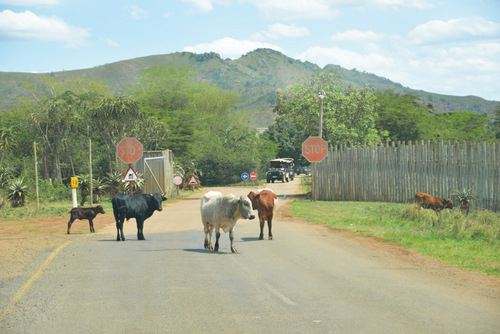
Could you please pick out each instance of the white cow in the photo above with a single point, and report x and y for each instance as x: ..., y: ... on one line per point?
x: 222, y: 211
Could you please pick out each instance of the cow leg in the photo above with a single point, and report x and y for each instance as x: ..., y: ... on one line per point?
x: 140, y: 225
x: 262, y: 223
x: 71, y: 220
x: 119, y: 230
x: 209, y: 229
x: 270, y: 226
x: 217, y: 236
x: 91, y: 224
x: 231, y: 238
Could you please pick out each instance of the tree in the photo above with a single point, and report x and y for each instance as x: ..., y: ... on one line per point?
x: 460, y: 126
x: 496, y: 122
x: 348, y: 113
x: 54, y: 112
x: 401, y: 116
x: 7, y: 140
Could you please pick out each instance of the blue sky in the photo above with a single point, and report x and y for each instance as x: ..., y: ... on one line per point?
x: 441, y: 46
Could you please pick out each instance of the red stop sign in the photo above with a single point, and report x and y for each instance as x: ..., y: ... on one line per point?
x: 314, y: 149
x: 253, y: 176
x: 129, y: 150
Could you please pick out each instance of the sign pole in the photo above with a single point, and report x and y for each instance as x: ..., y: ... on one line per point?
x: 74, y: 186
x: 36, y: 179
x: 130, y: 186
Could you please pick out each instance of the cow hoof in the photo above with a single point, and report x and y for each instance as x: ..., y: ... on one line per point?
x: 141, y: 238
x: 261, y: 237
x: 270, y: 237
x: 234, y: 250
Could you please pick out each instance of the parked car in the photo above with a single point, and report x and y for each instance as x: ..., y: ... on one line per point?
x: 302, y: 170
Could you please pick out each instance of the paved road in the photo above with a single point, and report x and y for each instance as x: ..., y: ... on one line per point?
x: 306, y: 280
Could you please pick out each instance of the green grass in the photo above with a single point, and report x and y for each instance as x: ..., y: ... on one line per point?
x: 471, y: 242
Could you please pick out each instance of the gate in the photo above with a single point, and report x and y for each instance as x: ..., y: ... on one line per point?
x: 157, y: 168
x: 154, y: 175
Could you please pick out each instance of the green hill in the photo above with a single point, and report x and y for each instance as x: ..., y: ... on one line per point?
x: 256, y: 75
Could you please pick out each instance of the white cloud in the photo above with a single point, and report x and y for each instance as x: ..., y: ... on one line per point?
x: 112, y: 43
x: 229, y: 47
x: 28, y: 26
x: 464, y: 70
x: 27, y: 3
x: 204, y: 6
x: 297, y: 9
x: 280, y: 30
x: 462, y: 29
x: 138, y: 13
x: 357, y: 36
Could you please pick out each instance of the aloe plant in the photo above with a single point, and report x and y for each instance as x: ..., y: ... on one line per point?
x: 465, y: 198
x: 17, y: 192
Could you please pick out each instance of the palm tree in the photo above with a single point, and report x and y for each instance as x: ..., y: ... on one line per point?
x: 84, y: 186
x: 99, y: 187
x: 8, y: 136
x: 5, y: 177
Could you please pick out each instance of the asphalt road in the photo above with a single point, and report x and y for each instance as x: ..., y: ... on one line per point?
x: 306, y: 280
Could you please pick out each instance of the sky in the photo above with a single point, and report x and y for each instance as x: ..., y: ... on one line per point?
x: 448, y: 47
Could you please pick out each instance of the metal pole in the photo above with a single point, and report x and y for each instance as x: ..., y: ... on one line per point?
x: 321, y: 96
x: 90, y: 170
x: 36, y: 179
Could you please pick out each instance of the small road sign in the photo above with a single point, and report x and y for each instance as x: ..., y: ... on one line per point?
x: 129, y: 150
x: 74, y: 183
x: 253, y: 176
x: 130, y: 175
x: 244, y: 176
x: 314, y: 149
x: 178, y: 180
x: 193, y: 181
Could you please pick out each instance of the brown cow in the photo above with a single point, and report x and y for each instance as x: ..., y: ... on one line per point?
x: 85, y: 213
x: 264, y: 201
x: 437, y: 204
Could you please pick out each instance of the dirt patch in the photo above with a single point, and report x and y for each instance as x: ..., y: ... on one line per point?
x: 21, y: 241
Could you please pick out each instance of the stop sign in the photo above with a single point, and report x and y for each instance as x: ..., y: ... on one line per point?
x: 129, y: 150
x: 314, y: 149
x: 253, y: 176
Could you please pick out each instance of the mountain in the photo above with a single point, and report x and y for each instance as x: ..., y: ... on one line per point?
x: 256, y: 75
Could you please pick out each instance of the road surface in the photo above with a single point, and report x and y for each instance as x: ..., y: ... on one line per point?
x: 306, y: 280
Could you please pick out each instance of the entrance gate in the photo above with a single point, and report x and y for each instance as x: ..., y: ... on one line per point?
x: 154, y: 175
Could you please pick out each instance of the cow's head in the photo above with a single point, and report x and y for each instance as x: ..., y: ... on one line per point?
x: 254, y: 199
x: 245, y: 206
x: 157, y: 199
x: 100, y: 209
x: 448, y: 203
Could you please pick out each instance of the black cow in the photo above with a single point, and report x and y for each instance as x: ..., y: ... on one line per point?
x: 140, y: 207
x: 85, y: 213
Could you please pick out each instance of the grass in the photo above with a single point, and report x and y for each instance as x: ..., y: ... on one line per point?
x: 471, y: 242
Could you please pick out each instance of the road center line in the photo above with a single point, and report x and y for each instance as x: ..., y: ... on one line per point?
x: 33, y: 278
x: 280, y: 295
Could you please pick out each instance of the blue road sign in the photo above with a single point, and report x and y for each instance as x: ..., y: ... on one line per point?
x: 244, y: 176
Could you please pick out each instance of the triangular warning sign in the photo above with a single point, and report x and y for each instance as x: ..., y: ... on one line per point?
x: 130, y: 175
x: 193, y: 181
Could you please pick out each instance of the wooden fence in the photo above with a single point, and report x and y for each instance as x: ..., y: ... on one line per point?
x: 395, y: 172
